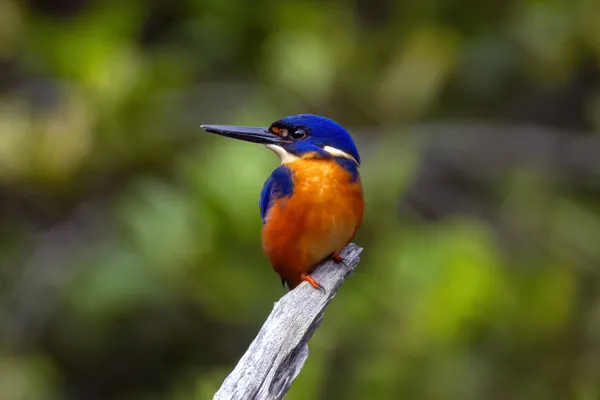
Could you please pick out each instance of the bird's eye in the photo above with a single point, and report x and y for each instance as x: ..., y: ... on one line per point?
x: 298, y: 134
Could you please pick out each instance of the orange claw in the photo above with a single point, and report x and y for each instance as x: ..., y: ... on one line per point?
x: 309, y: 279
x: 337, y: 258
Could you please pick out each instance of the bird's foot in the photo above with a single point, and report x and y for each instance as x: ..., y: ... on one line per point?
x: 312, y: 281
x: 338, y: 259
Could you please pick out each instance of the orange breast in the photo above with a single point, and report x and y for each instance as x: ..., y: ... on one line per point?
x: 320, y: 218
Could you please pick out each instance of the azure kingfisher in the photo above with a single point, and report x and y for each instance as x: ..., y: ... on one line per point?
x: 312, y: 204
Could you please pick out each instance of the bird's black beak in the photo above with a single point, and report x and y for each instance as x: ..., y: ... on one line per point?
x: 246, y: 133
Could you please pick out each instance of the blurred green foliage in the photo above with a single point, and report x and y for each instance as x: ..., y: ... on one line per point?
x: 130, y: 255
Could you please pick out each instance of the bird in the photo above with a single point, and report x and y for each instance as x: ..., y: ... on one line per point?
x: 312, y: 204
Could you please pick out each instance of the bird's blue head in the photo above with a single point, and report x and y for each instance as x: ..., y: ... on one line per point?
x: 297, y: 136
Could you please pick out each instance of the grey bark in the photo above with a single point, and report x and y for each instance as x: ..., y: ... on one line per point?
x: 277, y: 354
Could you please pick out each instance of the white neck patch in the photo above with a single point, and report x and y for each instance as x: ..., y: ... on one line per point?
x: 287, y: 157
x: 339, y: 153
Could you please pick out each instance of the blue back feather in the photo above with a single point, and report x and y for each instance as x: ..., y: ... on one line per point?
x: 349, y: 166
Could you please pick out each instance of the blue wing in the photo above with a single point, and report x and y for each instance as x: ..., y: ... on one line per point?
x: 279, y: 184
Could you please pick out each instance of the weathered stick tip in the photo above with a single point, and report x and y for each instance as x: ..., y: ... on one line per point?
x: 279, y: 351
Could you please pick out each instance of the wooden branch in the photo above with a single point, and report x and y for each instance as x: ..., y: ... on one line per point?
x: 277, y: 354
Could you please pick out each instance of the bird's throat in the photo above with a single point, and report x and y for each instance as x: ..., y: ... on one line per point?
x: 284, y: 155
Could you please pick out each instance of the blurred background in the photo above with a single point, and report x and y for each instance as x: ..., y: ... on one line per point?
x: 130, y: 257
